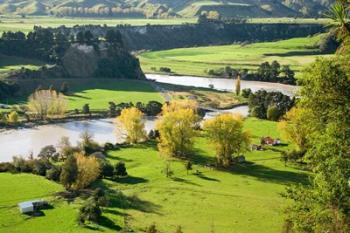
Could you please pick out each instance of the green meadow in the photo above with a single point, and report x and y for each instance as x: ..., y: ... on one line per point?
x: 295, y: 52
x: 97, y: 92
x: 245, y: 199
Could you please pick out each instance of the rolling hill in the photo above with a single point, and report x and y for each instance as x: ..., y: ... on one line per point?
x: 165, y: 8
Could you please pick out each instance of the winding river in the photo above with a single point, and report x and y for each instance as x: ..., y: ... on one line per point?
x: 26, y: 141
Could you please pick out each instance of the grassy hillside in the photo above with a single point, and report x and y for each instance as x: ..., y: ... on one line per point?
x: 165, y: 8
x: 195, y: 61
x: 222, y: 200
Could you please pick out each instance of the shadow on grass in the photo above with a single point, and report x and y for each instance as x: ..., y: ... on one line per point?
x: 131, y: 180
x: 106, y: 222
x: 269, y: 174
x: 200, y: 175
x: 181, y: 180
x: 294, y: 53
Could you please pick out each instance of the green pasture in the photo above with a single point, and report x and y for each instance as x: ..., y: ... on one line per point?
x: 295, y: 52
x: 244, y: 199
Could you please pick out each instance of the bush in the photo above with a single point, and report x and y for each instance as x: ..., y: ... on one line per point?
x: 54, y: 173
x: 40, y: 167
x: 153, y: 108
x: 165, y: 69
x: 22, y: 165
x: 90, y: 211
x: 120, y: 169
x: 246, y: 92
x: 48, y: 152
x: 7, y: 167
x: 86, y: 109
x: 152, y: 228
x: 107, y: 169
x: 273, y: 114
x: 153, y: 134
x: 108, y: 146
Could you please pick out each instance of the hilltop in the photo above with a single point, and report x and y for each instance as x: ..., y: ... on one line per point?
x: 165, y: 8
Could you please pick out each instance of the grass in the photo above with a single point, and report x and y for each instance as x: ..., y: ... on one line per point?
x: 10, y: 63
x: 97, y: 92
x: 27, y: 24
x: 245, y: 198
x: 295, y: 52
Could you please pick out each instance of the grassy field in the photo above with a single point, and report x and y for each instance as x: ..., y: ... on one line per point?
x: 245, y: 199
x: 295, y: 52
x: 97, y: 92
x: 27, y: 24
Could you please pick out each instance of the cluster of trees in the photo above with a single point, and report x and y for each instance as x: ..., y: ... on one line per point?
x: 269, y: 105
x: 7, y: 90
x: 50, y: 45
x: 266, y: 72
x: 319, y: 126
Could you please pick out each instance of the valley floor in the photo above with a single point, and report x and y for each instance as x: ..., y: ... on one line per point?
x: 244, y: 199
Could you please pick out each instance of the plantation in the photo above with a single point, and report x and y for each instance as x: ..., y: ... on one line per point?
x: 223, y: 200
x: 295, y: 52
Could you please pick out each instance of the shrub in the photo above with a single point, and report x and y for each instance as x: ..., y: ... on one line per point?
x: 90, y: 211
x: 246, y: 92
x: 107, y: 169
x: 165, y: 69
x: 7, y: 167
x: 120, y: 169
x: 48, y: 152
x: 108, y: 146
x: 86, y: 109
x: 54, y: 173
x: 152, y: 229
x: 40, y: 166
x: 12, y: 118
x: 153, y: 108
x: 273, y: 114
x: 22, y: 165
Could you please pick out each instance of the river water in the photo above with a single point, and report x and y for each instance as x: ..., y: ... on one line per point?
x: 26, y: 141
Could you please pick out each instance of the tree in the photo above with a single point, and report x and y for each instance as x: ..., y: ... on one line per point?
x: 246, y: 92
x: 64, y: 88
x: 152, y: 228
x: 65, y: 148
x: 131, y: 121
x: 238, y: 85
x: 293, y: 127
x: 188, y: 166
x: 90, y: 211
x: 69, y: 172
x: 86, y: 109
x: 48, y: 153
x: 88, y: 170
x: 12, y: 117
x: 47, y: 103
x: 112, y: 108
x: 324, y: 205
x: 120, y: 169
x: 226, y: 133
x: 273, y: 113
x: 177, y: 128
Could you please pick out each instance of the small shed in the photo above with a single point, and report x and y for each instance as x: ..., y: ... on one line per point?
x: 30, y: 206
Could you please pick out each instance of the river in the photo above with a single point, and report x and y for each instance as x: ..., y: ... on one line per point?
x: 26, y: 141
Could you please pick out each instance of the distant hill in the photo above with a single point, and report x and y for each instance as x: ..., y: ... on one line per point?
x: 165, y: 8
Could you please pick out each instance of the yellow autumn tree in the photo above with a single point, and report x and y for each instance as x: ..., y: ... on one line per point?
x: 293, y: 127
x: 88, y: 170
x: 177, y: 128
x: 226, y: 133
x: 47, y: 103
x: 132, y: 123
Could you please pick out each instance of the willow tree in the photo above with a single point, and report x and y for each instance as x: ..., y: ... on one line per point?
x: 238, y: 85
x: 226, y: 133
x: 131, y: 121
x: 177, y: 128
x: 47, y: 103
